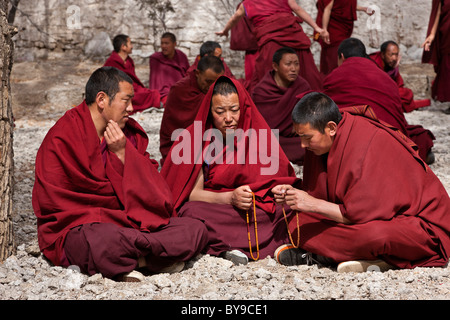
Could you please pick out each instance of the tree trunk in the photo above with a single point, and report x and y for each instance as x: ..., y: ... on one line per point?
x: 6, y: 135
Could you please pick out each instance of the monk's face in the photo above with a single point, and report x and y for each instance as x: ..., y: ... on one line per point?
x: 225, y: 112
x: 315, y: 141
x: 206, y: 78
x: 391, y: 56
x: 168, y: 47
x: 119, y: 108
x: 287, y: 70
x: 128, y: 47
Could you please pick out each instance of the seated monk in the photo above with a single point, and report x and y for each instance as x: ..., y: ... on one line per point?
x: 211, y: 48
x: 144, y: 98
x: 388, y: 59
x: 168, y: 66
x: 275, y: 97
x: 368, y: 201
x: 185, y: 98
x: 99, y: 200
x: 359, y: 81
x: 214, y: 179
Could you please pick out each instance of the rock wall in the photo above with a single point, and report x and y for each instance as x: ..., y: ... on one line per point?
x: 82, y: 27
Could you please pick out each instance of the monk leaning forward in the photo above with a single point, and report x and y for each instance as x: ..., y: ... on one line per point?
x: 368, y: 201
x: 99, y: 200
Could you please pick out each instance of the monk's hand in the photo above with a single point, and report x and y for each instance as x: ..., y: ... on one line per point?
x: 300, y: 200
x: 242, y: 197
x: 325, y: 36
x: 427, y: 43
x: 222, y: 33
x: 115, y: 140
x: 279, y: 192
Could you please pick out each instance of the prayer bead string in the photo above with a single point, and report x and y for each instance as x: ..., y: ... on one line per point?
x: 298, y: 228
x: 256, y: 231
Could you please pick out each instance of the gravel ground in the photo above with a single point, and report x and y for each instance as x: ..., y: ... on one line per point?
x: 28, y: 276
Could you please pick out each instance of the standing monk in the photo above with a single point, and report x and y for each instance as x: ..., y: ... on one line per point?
x: 388, y: 59
x: 437, y: 49
x: 337, y: 17
x: 100, y: 202
x: 185, y: 98
x: 275, y: 97
x: 144, y: 98
x: 367, y: 199
x: 359, y: 81
x: 276, y: 27
x: 167, y: 66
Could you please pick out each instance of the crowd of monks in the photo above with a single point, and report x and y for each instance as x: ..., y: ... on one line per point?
x: 367, y: 192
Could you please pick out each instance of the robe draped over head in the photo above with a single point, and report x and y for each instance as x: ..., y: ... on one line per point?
x: 181, y: 107
x: 276, y: 104
x: 165, y: 72
x: 228, y: 176
x: 79, y: 181
x: 377, y: 184
x: 277, y: 27
x: 144, y: 98
x: 359, y: 81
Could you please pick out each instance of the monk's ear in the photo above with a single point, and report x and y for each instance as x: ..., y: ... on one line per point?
x: 331, y: 127
x: 275, y: 66
x: 102, y: 100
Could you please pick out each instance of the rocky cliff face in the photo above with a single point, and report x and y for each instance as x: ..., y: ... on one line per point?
x: 85, y: 27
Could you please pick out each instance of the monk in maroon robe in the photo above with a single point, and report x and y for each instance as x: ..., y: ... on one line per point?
x: 437, y: 49
x: 144, y: 98
x: 184, y: 100
x: 388, y: 59
x: 276, y: 27
x: 211, y: 48
x: 100, y: 202
x: 215, y: 178
x: 168, y: 66
x: 275, y: 97
x: 358, y: 80
x: 366, y: 194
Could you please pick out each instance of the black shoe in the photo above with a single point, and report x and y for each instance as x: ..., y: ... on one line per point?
x: 288, y: 255
x: 430, y: 158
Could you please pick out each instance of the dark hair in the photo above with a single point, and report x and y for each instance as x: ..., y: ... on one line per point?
x: 386, y: 44
x: 119, y: 41
x: 278, y: 55
x: 352, y: 47
x: 317, y: 109
x: 208, y: 47
x: 210, y: 62
x: 169, y: 35
x: 224, y: 86
x: 104, y: 79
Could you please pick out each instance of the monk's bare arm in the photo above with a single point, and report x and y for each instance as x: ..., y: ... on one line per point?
x: 299, y: 11
x: 427, y: 43
x: 326, y: 15
x: 301, y: 201
x: 238, y: 15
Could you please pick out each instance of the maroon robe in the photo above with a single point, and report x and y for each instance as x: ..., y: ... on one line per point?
x: 227, y: 227
x: 165, y: 72
x: 276, y: 105
x: 439, y: 54
x: 398, y: 208
x: 359, y: 81
x: 340, y: 27
x: 144, y: 98
x: 406, y: 94
x: 276, y: 27
x: 181, y: 107
x: 79, y: 181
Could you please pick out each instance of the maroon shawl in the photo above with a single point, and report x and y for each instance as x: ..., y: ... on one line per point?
x: 180, y: 110
x: 378, y: 181
x: 165, y: 72
x: 226, y: 176
x: 79, y: 181
x: 144, y: 98
x: 276, y: 105
x: 359, y: 81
